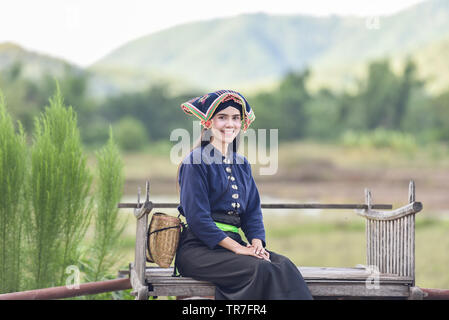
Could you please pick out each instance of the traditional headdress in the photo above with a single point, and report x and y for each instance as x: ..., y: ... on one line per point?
x: 205, y: 107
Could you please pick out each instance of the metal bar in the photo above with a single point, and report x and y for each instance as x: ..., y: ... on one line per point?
x: 64, y: 292
x: 277, y: 206
x: 435, y: 294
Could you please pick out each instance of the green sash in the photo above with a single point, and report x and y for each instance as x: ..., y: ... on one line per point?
x: 227, y: 227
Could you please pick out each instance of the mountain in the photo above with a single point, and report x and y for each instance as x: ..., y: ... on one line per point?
x: 409, y: 33
x: 35, y: 65
x: 237, y: 51
x: 254, y: 50
x: 433, y: 64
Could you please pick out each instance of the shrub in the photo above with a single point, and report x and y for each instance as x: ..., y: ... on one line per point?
x: 108, y: 227
x: 12, y: 175
x: 60, y: 182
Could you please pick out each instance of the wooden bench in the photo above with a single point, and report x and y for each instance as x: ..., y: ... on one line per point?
x: 390, y: 250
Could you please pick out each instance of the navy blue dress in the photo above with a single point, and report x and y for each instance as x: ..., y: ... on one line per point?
x: 212, y: 184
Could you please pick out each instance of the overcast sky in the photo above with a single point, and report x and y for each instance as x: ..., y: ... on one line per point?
x: 83, y: 31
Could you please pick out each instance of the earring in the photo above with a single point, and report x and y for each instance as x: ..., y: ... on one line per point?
x: 206, y: 124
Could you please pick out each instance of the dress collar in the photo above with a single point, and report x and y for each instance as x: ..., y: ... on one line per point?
x: 215, y: 152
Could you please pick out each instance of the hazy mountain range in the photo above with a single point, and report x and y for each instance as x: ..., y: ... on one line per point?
x: 251, y: 51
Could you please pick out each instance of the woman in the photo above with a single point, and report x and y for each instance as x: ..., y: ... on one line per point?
x: 218, y: 196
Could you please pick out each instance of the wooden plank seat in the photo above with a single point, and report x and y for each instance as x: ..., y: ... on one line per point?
x: 390, y: 257
x: 323, y: 282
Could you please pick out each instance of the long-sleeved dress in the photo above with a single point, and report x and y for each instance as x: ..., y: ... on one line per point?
x: 219, y: 195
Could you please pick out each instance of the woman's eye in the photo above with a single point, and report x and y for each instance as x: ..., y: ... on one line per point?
x: 233, y: 118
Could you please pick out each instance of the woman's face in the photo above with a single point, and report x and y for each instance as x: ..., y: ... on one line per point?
x: 226, y: 125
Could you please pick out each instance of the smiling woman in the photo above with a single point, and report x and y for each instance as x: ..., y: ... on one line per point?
x: 225, y: 126
x: 218, y: 195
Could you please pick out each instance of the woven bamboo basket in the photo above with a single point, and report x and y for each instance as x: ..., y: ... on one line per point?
x: 163, y: 237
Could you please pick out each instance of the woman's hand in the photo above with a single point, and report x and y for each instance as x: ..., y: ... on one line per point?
x: 237, y: 248
x: 249, y: 251
x: 257, y: 245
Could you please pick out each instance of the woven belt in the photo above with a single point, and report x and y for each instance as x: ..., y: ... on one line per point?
x: 227, y: 227
x: 224, y: 218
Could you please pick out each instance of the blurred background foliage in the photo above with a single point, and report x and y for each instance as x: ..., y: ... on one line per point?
x: 388, y: 109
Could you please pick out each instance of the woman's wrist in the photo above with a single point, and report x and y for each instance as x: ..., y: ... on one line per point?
x: 230, y: 244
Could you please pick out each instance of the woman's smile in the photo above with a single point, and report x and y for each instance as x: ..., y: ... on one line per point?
x: 225, y: 127
x: 228, y: 131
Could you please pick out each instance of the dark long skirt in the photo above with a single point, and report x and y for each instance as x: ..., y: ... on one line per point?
x: 240, y: 277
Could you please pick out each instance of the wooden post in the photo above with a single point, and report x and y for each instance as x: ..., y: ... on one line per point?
x: 411, y: 191
x: 411, y: 199
x: 140, y: 288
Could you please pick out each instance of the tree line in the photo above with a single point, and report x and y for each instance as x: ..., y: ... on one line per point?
x: 385, y: 104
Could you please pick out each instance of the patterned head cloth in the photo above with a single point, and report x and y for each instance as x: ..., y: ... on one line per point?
x: 205, y: 107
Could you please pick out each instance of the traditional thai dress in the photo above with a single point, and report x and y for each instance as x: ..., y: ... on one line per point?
x: 219, y: 199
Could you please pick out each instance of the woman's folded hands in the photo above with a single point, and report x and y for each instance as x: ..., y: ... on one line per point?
x: 259, y: 250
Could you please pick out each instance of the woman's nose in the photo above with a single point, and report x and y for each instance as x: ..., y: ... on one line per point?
x: 229, y: 123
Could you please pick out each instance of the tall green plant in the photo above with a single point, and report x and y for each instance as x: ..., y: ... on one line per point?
x: 108, y: 227
x: 60, y: 184
x: 12, y: 174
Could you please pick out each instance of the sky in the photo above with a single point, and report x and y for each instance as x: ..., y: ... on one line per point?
x: 84, y: 31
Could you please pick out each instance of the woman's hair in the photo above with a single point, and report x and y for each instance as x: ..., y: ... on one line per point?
x: 204, y: 139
